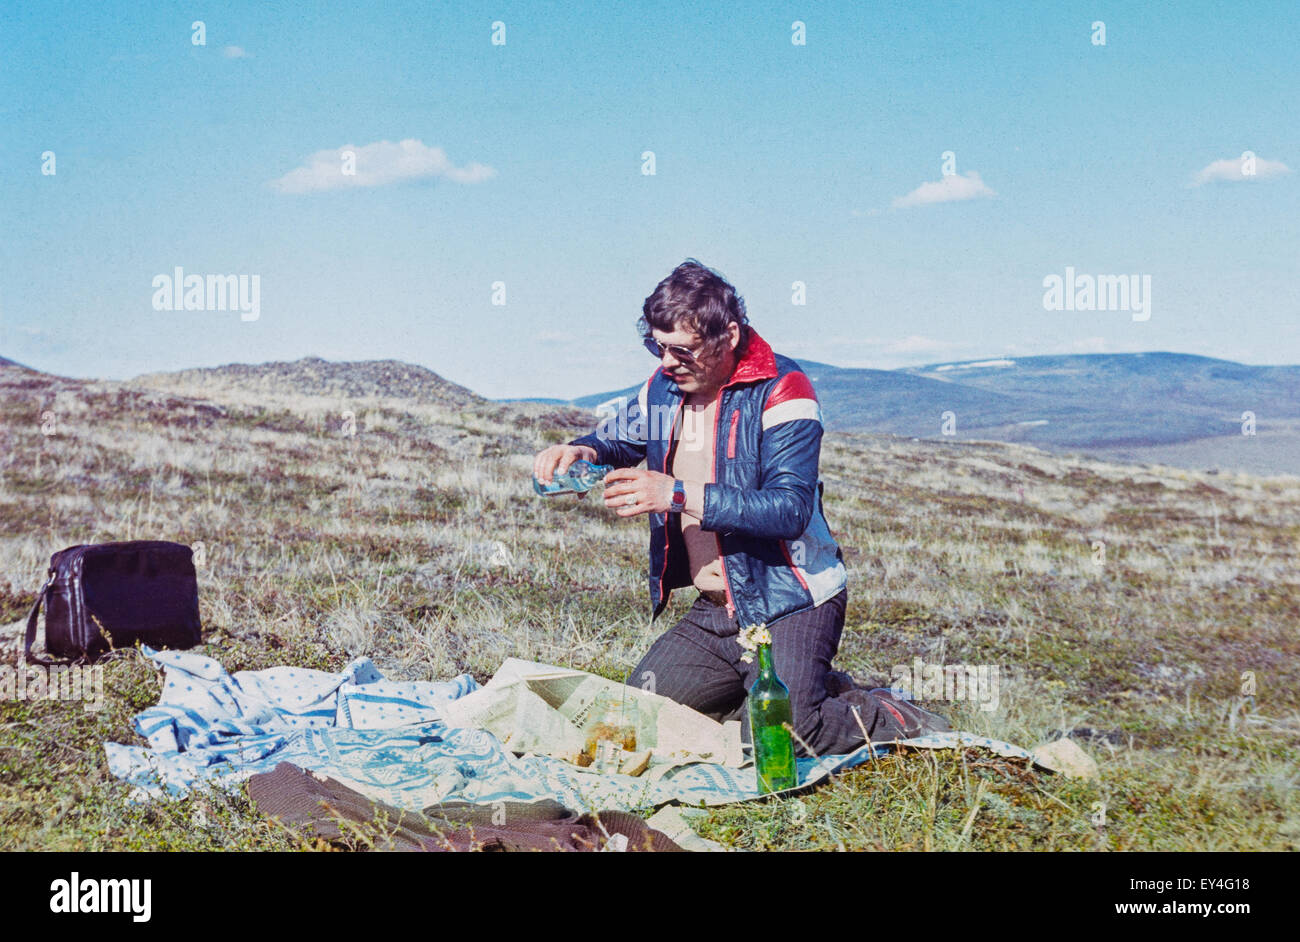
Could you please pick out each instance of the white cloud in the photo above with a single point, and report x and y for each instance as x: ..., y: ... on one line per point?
x: 1235, y: 170
x: 377, y: 164
x: 236, y: 52
x: 951, y: 188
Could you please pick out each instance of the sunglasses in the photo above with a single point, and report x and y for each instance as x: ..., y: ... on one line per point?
x: 683, y: 355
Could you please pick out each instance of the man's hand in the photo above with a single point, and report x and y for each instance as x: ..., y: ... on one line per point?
x: 653, y: 491
x: 557, y: 459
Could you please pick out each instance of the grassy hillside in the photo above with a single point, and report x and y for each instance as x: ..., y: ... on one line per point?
x: 343, y: 522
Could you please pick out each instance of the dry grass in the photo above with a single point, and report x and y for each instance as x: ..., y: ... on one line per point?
x: 418, y: 541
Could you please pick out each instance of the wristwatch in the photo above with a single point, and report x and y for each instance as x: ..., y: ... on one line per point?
x: 679, y: 497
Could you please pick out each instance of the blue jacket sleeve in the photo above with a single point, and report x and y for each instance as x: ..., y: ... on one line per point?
x: 620, y: 439
x: 782, y: 505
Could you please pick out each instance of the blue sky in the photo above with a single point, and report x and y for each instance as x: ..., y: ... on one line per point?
x: 775, y: 163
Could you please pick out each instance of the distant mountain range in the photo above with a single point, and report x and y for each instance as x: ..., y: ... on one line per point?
x: 1131, y: 406
x: 1168, y: 408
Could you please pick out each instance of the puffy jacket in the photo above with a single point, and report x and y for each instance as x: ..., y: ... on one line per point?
x: 764, y: 502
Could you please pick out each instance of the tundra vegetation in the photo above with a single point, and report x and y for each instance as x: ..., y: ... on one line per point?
x: 1149, y: 611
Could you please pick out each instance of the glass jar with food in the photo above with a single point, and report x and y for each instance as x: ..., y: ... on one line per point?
x: 611, y: 732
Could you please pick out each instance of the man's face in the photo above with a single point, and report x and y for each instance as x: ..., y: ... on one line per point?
x: 706, y: 375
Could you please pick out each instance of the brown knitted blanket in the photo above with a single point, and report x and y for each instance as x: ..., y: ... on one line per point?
x: 329, y: 809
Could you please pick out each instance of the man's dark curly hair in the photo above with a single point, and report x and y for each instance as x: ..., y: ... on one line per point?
x: 695, y: 297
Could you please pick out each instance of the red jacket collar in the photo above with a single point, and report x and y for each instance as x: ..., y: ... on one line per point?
x: 758, y: 362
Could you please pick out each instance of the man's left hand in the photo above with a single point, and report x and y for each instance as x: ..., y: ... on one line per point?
x: 653, y: 491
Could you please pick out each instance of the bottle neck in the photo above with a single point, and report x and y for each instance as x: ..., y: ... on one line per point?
x: 765, y: 659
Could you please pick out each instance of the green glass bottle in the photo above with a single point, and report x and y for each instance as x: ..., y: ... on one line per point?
x: 769, y: 712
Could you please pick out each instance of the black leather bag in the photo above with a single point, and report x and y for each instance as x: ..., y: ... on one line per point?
x: 102, y: 596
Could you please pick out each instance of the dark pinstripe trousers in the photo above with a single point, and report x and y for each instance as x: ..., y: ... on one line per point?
x: 697, y: 663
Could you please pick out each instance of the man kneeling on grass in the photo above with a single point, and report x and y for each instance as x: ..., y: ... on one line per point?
x: 731, y: 436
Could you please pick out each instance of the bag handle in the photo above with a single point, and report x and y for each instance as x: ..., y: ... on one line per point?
x: 32, y: 617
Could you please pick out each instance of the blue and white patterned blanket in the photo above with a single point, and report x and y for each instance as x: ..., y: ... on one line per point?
x: 386, y: 740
